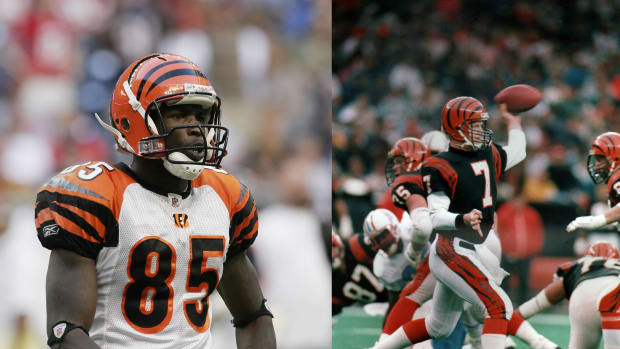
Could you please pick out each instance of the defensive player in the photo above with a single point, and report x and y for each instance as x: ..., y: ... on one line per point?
x: 591, y: 285
x: 138, y: 249
x: 603, y: 164
x: 352, y: 278
x: 461, y: 184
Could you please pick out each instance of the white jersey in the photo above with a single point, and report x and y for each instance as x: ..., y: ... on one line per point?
x: 396, y: 271
x: 158, y: 256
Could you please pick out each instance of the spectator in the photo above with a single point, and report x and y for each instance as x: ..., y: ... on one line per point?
x: 521, y: 232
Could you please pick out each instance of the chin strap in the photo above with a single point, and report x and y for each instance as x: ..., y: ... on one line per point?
x: 183, y: 171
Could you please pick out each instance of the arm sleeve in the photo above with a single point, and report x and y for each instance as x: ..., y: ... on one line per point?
x: 515, y: 149
x: 243, y: 224
x: 70, y: 215
x: 438, y: 204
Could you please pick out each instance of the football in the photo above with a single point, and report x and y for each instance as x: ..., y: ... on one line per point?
x: 518, y: 98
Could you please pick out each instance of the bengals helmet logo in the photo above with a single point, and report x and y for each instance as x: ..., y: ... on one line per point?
x: 181, y: 220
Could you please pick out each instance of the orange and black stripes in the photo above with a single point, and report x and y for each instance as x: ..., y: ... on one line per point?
x: 497, y: 161
x: 361, y: 252
x: 84, y: 224
x: 468, y: 271
x: 244, y: 223
x: 168, y: 70
x: 148, y: 74
x: 457, y: 111
x: 447, y: 172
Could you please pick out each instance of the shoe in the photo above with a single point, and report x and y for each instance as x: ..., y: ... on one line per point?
x: 543, y: 343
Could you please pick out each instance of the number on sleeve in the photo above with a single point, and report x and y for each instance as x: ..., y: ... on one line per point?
x: 427, y: 183
x: 616, y: 187
x: 482, y: 168
x: 96, y: 171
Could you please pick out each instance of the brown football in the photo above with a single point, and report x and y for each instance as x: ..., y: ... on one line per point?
x: 518, y: 98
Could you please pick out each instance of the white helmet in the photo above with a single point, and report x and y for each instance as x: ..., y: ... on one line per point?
x: 381, y: 230
x: 436, y: 141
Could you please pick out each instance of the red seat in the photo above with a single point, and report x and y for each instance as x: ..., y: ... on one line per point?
x: 542, y: 270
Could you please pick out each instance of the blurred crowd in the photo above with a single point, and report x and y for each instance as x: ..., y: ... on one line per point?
x: 397, y: 63
x: 268, y: 61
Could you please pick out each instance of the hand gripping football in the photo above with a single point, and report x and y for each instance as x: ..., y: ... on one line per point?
x: 518, y: 98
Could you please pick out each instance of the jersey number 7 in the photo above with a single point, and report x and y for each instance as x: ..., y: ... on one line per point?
x: 482, y: 168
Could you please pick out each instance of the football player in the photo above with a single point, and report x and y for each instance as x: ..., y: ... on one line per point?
x: 352, y: 278
x: 137, y: 249
x: 420, y: 290
x: 408, y: 194
x: 591, y: 285
x: 461, y: 187
x: 603, y: 165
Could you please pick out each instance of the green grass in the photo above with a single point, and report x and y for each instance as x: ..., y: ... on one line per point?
x: 354, y: 329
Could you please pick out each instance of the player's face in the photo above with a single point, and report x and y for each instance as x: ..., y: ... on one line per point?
x: 477, y: 133
x: 598, y: 167
x: 184, y: 115
x: 399, y: 165
x: 385, y: 240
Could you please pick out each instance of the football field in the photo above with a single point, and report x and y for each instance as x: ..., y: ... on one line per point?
x: 354, y: 329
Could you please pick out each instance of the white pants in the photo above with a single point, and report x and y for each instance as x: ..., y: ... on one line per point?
x: 466, y: 273
x: 585, y: 318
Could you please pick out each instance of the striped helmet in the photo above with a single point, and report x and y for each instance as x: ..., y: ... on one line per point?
x: 407, y: 154
x: 145, y: 86
x: 458, y: 119
x: 381, y: 230
x: 602, y: 249
x: 604, y: 156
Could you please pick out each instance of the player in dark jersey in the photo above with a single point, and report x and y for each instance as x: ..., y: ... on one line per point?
x: 603, y: 167
x: 591, y: 285
x: 461, y: 184
x: 407, y: 193
x: 352, y: 277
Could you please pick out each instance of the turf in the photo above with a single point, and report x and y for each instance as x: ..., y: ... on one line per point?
x: 354, y: 329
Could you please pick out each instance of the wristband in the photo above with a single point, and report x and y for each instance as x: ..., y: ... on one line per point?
x: 459, y: 222
x: 260, y: 312
x: 60, y: 330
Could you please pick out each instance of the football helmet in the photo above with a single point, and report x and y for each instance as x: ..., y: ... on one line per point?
x: 464, y: 119
x: 602, y: 249
x: 381, y: 230
x: 436, y: 141
x: 407, y: 154
x: 337, y: 250
x: 136, y: 118
x: 604, y: 156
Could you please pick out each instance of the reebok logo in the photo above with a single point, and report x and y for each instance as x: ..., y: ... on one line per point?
x: 50, y: 230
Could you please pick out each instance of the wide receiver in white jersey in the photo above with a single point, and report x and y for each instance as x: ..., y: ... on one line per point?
x: 137, y: 250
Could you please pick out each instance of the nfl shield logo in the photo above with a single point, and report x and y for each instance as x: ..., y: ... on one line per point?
x: 59, y: 330
x: 175, y: 200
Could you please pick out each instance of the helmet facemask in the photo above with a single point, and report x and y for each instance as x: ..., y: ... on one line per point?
x: 599, y: 168
x: 477, y: 137
x: 187, y: 161
x: 394, y: 166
